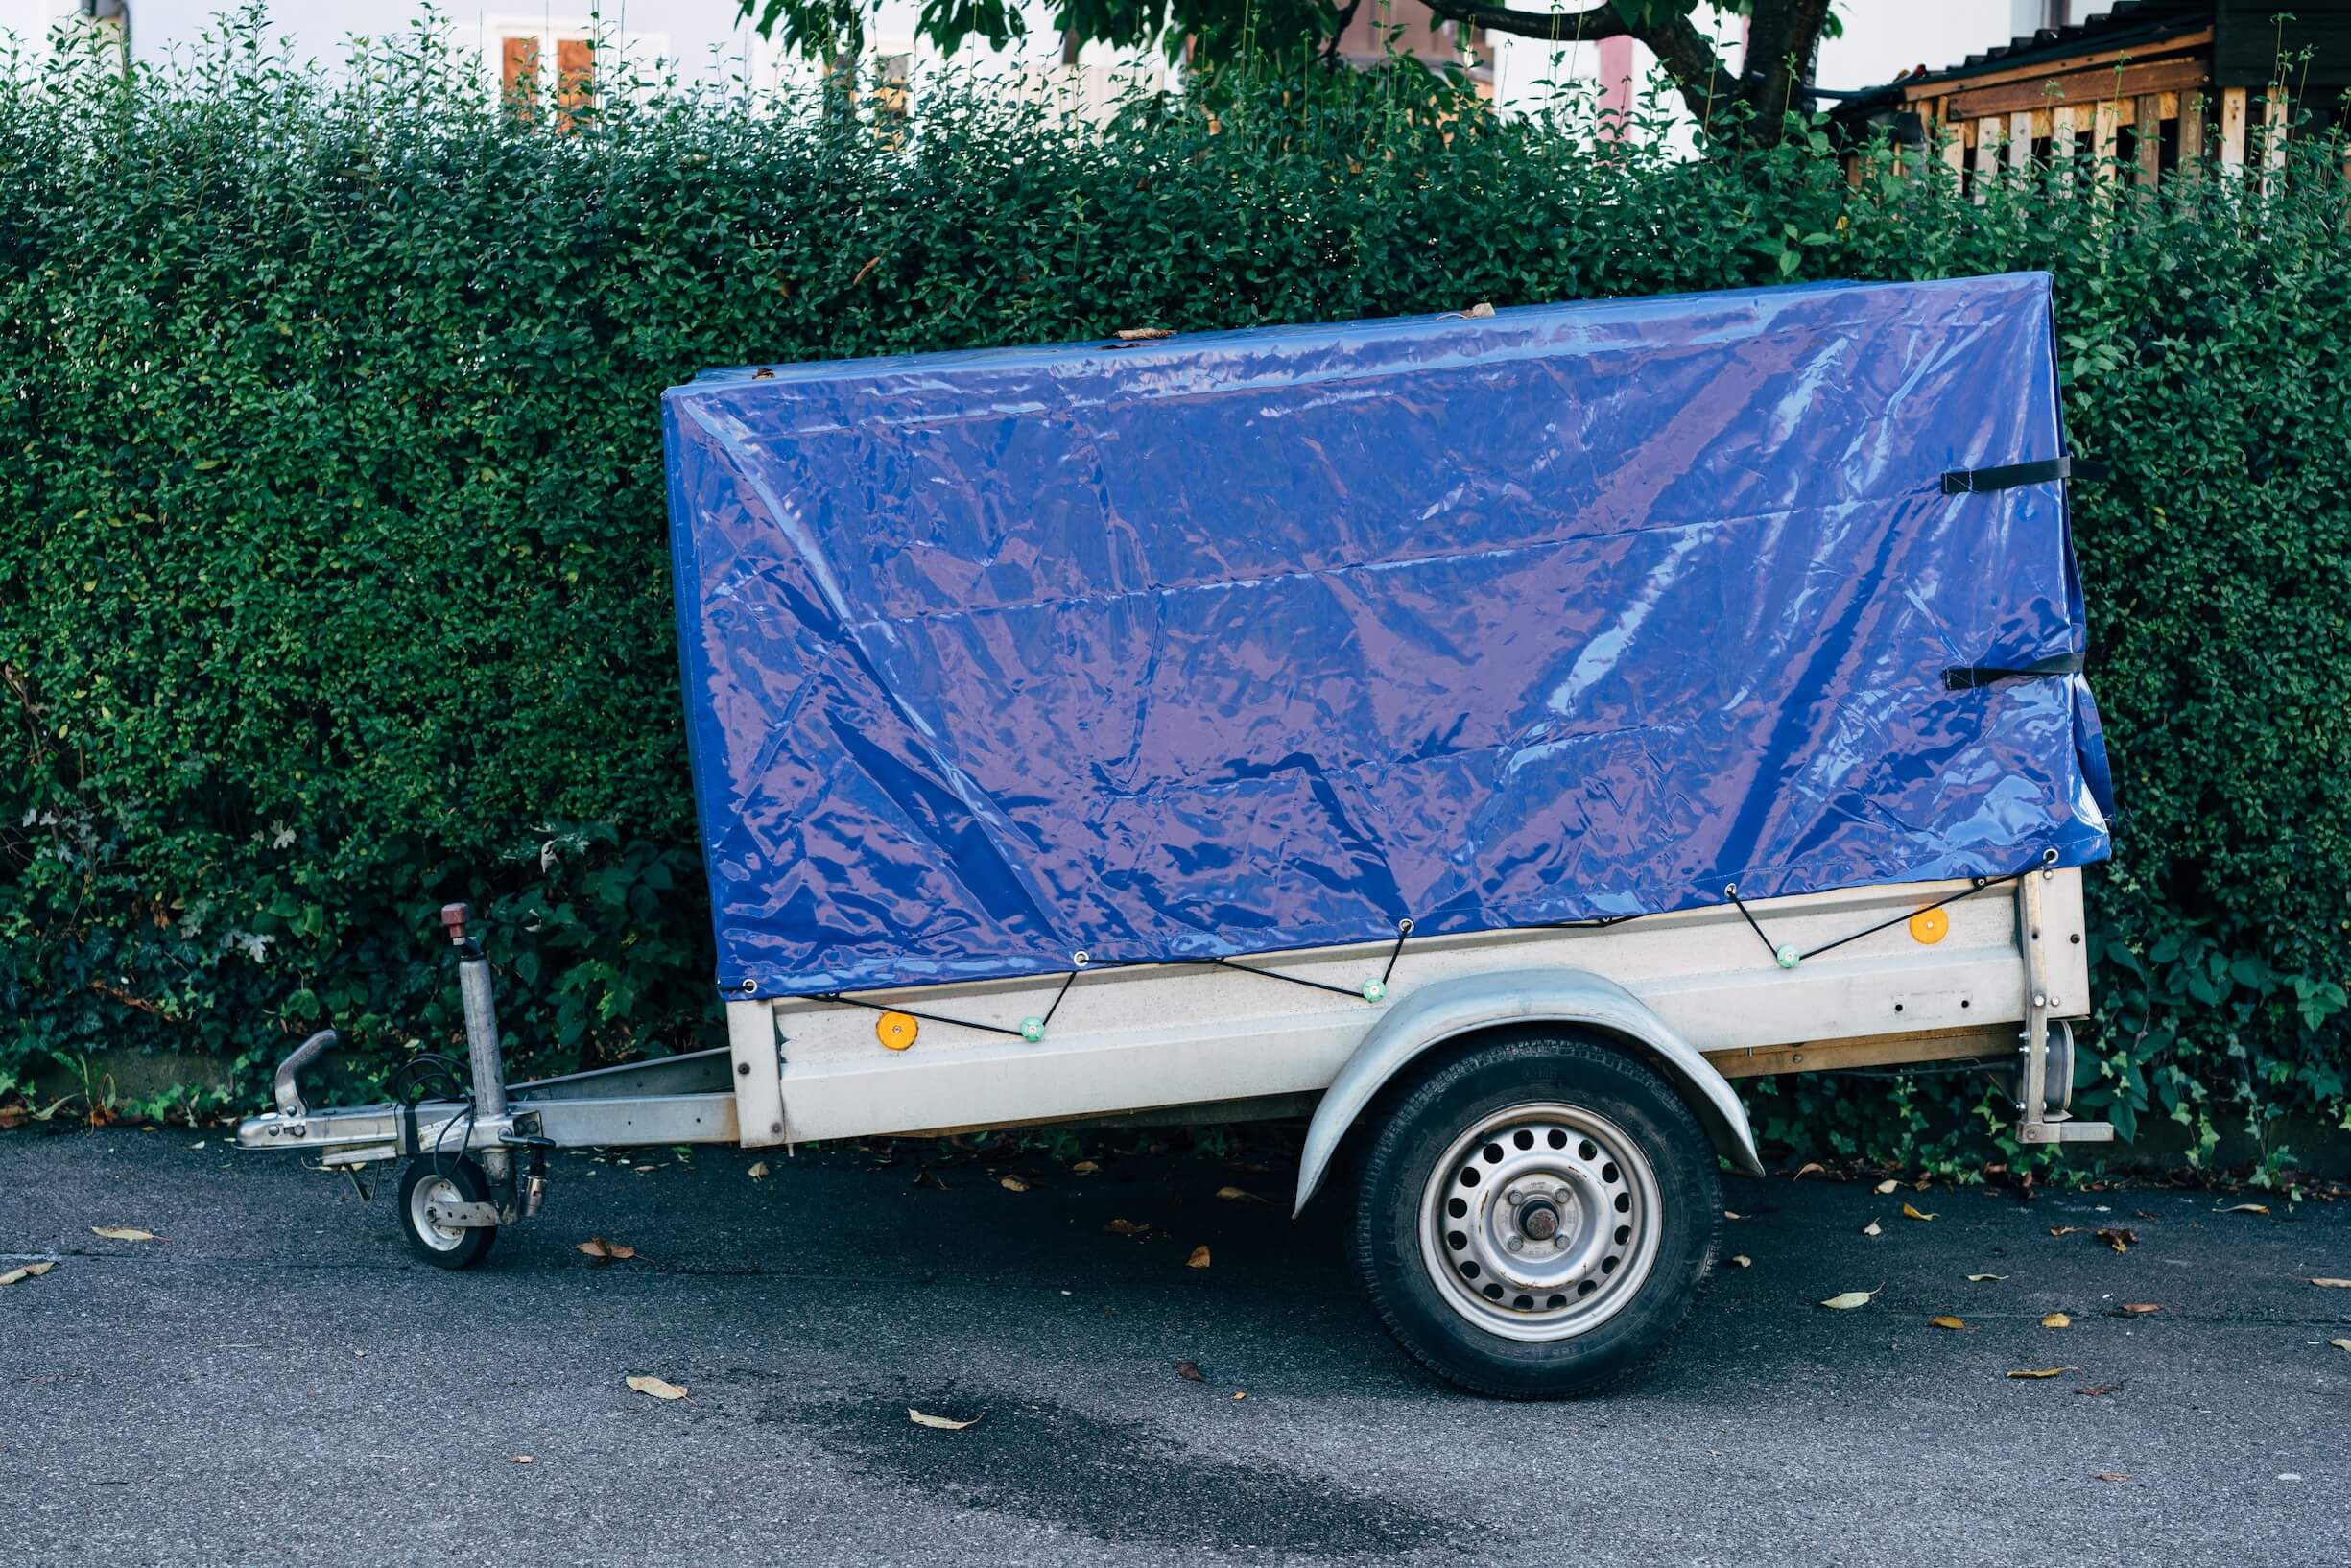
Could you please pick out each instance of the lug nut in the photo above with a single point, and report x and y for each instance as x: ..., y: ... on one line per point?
x: 1510, y: 1244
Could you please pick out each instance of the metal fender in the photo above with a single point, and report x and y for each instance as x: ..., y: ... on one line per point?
x: 1451, y: 1008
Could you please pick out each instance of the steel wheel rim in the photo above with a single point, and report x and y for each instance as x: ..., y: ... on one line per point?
x: 1501, y: 1181
x: 436, y: 1235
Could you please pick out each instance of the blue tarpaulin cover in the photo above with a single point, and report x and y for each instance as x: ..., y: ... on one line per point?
x: 1268, y: 639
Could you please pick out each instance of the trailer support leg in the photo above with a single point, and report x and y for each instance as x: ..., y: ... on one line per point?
x: 482, y: 1047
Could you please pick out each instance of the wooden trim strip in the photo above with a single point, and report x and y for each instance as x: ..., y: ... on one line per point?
x: 2157, y: 50
x: 2084, y: 87
x: 1997, y: 1042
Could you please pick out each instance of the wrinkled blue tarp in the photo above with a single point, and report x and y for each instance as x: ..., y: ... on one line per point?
x: 1226, y: 644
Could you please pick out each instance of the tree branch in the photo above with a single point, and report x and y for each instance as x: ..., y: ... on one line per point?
x: 1558, y: 26
x: 1686, y: 54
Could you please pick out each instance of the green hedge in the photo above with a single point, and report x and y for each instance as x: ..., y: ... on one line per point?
x: 332, y: 575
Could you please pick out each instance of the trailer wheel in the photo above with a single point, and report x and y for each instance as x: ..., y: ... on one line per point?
x: 1535, y: 1215
x: 424, y: 1183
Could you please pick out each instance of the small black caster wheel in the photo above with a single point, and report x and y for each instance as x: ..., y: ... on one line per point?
x: 427, y: 1183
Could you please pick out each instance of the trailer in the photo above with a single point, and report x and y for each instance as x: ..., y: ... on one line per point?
x: 1486, y: 736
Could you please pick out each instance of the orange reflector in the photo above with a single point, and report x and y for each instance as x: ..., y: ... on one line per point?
x: 1929, y: 926
x: 895, y: 1029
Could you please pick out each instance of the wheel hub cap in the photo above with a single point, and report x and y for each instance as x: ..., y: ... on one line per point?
x: 1540, y: 1221
x: 421, y: 1201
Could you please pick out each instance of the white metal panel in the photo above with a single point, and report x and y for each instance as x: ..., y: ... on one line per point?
x: 751, y: 1043
x: 1175, y: 1034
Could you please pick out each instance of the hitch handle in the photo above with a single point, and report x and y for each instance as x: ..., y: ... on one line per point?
x: 289, y: 1092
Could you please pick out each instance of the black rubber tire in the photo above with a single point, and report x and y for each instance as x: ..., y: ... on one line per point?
x: 472, y: 1184
x: 1453, y: 1095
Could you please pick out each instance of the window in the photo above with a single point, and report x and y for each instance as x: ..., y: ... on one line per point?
x: 891, y: 75
x: 561, y: 61
x: 518, y: 70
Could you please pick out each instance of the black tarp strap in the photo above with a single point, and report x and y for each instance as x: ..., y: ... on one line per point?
x: 1966, y: 677
x: 1977, y: 481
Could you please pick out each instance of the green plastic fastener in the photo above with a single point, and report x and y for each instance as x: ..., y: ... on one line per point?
x: 1033, y: 1029
x: 1789, y: 958
x: 1374, y: 989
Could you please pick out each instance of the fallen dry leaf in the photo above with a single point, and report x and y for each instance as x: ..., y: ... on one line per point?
x: 2063, y: 1231
x: 1909, y: 1213
x: 760, y: 1172
x: 1888, y: 1186
x: 1850, y: 1299
x: 1947, y: 1322
x: 866, y: 272
x: 2056, y: 1319
x: 1240, y: 1393
x: 1872, y: 1229
x: 1127, y: 1227
x: 2099, y: 1390
x: 2333, y: 1284
x: 1142, y: 334
x: 596, y: 1247
x: 1198, y: 1258
x: 2118, y: 1237
x: 656, y: 1387
x: 1742, y: 1261
x: 1811, y: 1167
x: 2041, y: 1371
x: 2340, y: 1344
x: 1011, y: 1184
x: 1977, y: 1279
x: 2140, y: 1309
x: 2243, y: 1208
x: 1235, y: 1194
x: 122, y: 1233
x: 1189, y: 1371
x: 13, y: 1116
x: 29, y: 1272
x: 524, y: 1459
x: 2110, y: 1475
x: 937, y: 1423
x: 1085, y: 1167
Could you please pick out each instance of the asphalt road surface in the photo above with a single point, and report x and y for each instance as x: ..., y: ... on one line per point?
x: 274, y: 1379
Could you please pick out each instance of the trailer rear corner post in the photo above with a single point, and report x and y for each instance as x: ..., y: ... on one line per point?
x: 2045, y: 1075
